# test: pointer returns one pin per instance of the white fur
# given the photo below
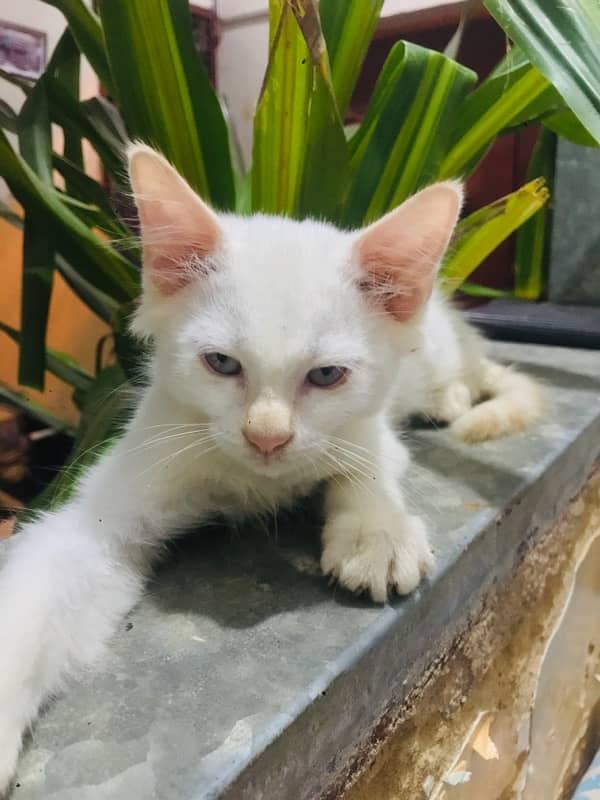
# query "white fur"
(282, 298)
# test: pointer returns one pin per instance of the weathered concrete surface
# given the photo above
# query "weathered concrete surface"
(512, 711)
(243, 675)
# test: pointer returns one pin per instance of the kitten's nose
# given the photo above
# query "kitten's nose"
(268, 425)
(267, 443)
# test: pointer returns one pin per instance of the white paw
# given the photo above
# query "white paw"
(10, 745)
(376, 552)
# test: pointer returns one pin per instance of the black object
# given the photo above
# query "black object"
(538, 323)
(44, 458)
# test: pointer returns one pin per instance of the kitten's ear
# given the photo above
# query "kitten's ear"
(178, 229)
(400, 254)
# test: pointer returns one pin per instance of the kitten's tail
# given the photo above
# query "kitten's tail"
(514, 402)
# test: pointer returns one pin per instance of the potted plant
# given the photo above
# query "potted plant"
(428, 119)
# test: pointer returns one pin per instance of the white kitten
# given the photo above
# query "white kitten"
(281, 351)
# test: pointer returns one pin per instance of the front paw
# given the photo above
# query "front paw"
(376, 552)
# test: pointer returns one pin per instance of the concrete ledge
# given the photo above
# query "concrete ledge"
(242, 675)
(510, 709)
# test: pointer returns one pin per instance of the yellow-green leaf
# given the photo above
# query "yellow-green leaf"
(482, 231)
(513, 94)
(348, 28)
(400, 143)
(300, 157)
(533, 236)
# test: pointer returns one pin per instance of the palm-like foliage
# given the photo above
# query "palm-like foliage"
(427, 119)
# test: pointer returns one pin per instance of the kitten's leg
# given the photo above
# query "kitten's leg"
(62, 591)
(511, 402)
(449, 402)
(370, 541)
(497, 402)
(67, 580)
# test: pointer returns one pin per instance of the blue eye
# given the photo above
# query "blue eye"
(222, 364)
(325, 377)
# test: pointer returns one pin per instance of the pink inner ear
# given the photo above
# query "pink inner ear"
(399, 255)
(169, 280)
(175, 254)
(397, 283)
(180, 232)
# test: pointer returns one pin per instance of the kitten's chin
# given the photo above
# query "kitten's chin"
(269, 470)
(272, 467)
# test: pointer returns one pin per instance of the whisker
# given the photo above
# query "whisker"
(158, 440)
(356, 458)
(180, 425)
(380, 456)
(359, 463)
(351, 444)
(348, 471)
(358, 473)
(172, 456)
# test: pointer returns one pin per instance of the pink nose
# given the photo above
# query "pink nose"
(267, 443)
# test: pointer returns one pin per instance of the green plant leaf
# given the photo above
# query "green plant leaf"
(82, 185)
(482, 231)
(98, 219)
(515, 93)
(102, 266)
(300, 155)
(75, 118)
(400, 144)
(105, 115)
(566, 124)
(8, 117)
(60, 364)
(87, 32)
(243, 193)
(18, 400)
(25, 84)
(64, 65)
(476, 290)
(561, 40)
(107, 399)
(348, 29)
(38, 273)
(533, 237)
(33, 127)
(35, 143)
(164, 93)
(106, 408)
(7, 213)
(101, 304)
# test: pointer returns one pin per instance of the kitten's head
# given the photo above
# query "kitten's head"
(280, 333)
